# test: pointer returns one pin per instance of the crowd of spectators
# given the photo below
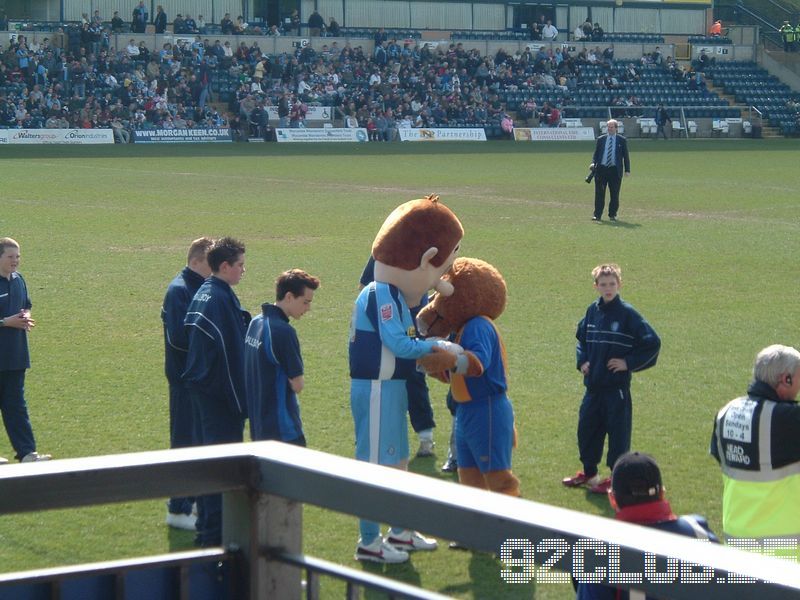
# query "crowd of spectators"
(400, 84)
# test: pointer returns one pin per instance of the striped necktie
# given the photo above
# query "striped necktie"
(609, 151)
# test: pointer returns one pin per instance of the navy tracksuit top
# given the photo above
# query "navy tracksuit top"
(614, 330)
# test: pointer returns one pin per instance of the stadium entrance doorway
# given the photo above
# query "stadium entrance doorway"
(271, 10)
(528, 14)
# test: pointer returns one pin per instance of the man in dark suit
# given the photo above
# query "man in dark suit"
(609, 162)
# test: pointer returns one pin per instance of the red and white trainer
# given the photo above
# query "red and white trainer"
(580, 479)
(601, 487)
(409, 541)
(380, 551)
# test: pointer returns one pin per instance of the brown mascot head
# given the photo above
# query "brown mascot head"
(416, 244)
(479, 290)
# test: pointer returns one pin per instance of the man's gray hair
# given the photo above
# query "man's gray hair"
(775, 361)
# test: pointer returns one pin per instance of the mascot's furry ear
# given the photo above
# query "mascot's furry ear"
(416, 232)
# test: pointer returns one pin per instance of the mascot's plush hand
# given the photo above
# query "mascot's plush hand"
(437, 362)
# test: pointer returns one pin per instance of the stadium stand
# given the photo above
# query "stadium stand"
(451, 86)
(754, 86)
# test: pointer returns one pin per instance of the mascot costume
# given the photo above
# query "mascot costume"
(415, 246)
(484, 425)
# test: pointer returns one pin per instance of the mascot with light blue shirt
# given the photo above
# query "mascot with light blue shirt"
(416, 245)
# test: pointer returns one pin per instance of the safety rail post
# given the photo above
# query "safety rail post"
(255, 523)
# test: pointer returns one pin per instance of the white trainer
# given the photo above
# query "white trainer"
(181, 521)
(35, 457)
(380, 552)
(425, 448)
(409, 541)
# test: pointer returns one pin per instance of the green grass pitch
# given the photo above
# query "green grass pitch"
(708, 241)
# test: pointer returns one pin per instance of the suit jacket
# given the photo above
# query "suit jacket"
(621, 152)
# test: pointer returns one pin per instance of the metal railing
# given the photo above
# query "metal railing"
(265, 485)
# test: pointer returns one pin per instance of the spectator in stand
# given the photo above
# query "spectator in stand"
(544, 114)
(117, 24)
(380, 37)
(240, 27)
(132, 49)
(160, 21)
(587, 29)
(716, 28)
(189, 24)
(226, 24)
(333, 28)
(578, 35)
(179, 25)
(297, 115)
(597, 33)
(351, 121)
(554, 119)
(294, 23)
(787, 35)
(704, 60)
(140, 17)
(316, 25)
(535, 32)
(372, 130)
(507, 125)
(662, 118)
(549, 32)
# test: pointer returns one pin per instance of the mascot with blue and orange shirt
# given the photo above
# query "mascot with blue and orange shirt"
(485, 433)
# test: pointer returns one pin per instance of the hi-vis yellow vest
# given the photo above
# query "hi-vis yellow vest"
(761, 494)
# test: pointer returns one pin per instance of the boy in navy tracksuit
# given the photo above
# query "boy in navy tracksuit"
(273, 368)
(15, 323)
(182, 432)
(613, 341)
(214, 376)
(637, 496)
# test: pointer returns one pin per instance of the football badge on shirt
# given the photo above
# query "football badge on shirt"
(386, 312)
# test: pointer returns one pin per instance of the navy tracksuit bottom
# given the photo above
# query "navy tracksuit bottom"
(606, 411)
(218, 425)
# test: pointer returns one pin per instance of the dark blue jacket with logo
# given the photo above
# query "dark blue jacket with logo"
(179, 295)
(13, 342)
(216, 326)
(614, 330)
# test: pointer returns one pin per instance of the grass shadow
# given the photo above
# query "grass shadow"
(622, 224)
(405, 572)
(600, 501)
(486, 581)
(180, 539)
(431, 467)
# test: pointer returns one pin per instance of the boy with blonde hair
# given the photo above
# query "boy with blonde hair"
(15, 323)
(614, 340)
